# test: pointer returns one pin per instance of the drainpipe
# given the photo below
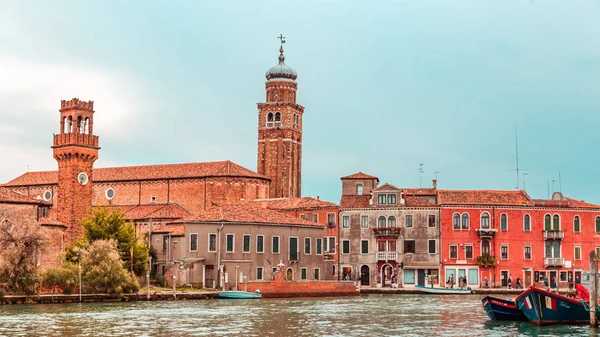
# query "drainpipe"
(219, 254)
(337, 251)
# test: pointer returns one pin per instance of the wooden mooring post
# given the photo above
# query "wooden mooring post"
(594, 290)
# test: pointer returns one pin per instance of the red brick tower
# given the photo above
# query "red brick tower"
(75, 150)
(280, 131)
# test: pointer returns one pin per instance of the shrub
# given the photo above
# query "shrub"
(103, 271)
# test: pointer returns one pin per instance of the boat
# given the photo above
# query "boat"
(502, 310)
(444, 291)
(239, 294)
(543, 307)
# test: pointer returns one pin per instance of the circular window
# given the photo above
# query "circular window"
(82, 177)
(47, 195)
(110, 193)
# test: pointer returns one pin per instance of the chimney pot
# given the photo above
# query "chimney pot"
(435, 183)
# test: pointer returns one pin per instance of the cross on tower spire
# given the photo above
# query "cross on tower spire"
(282, 38)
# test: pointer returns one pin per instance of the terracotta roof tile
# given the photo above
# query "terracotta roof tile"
(355, 201)
(169, 229)
(419, 191)
(303, 203)
(482, 197)
(418, 201)
(360, 175)
(50, 222)
(152, 211)
(581, 203)
(10, 196)
(148, 172)
(245, 213)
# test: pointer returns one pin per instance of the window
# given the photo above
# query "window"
(456, 221)
(547, 222)
(275, 244)
(527, 223)
(409, 246)
(277, 119)
(259, 273)
(165, 243)
(345, 246)
(319, 246)
(109, 194)
(392, 222)
(270, 120)
(345, 221)
(293, 249)
(504, 252)
(381, 222)
(468, 252)
(409, 276)
(465, 221)
(563, 276)
(303, 273)
(329, 244)
(153, 198)
(577, 253)
(485, 220)
(431, 244)
(364, 221)
(317, 276)
(504, 222)
(576, 226)
(597, 250)
(381, 199)
(260, 243)
(246, 248)
(193, 242)
(598, 224)
(485, 247)
(408, 221)
(303, 216)
(453, 252)
(556, 249)
(527, 252)
(555, 222)
(391, 199)
(315, 217)
(364, 246)
(331, 219)
(431, 220)
(230, 243)
(307, 246)
(359, 189)
(212, 242)
(548, 249)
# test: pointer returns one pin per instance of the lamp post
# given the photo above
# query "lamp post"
(148, 278)
(79, 265)
(236, 277)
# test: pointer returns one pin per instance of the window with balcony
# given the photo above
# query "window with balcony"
(552, 249)
(409, 246)
(456, 221)
(468, 252)
(504, 252)
(576, 226)
(345, 221)
(329, 244)
(527, 223)
(431, 246)
(465, 221)
(381, 199)
(364, 246)
(453, 252)
(547, 222)
(409, 221)
(391, 245)
(527, 252)
(364, 221)
(330, 219)
(556, 222)
(504, 222)
(577, 253)
(246, 248)
(346, 247)
(485, 220)
(391, 199)
(391, 222)
(381, 222)
(431, 220)
(382, 246)
(485, 247)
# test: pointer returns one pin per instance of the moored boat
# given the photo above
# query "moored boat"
(444, 291)
(502, 310)
(239, 294)
(543, 307)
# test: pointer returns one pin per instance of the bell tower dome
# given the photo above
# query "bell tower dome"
(75, 149)
(280, 131)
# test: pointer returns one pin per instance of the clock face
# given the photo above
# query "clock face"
(82, 178)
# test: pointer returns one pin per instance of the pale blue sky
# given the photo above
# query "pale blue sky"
(386, 85)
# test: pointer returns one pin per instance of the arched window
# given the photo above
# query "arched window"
(548, 249)
(547, 222)
(65, 125)
(456, 221)
(79, 125)
(576, 225)
(465, 221)
(503, 222)
(270, 120)
(485, 220)
(381, 222)
(392, 221)
(556, 222)
(86, 129)
(277, 119)
(485, 247)
(70, 124)
(527, 223)
(556, 249)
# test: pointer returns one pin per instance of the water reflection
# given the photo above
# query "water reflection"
(370, 315)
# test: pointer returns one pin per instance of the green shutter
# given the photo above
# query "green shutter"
(547, 222)
(293, 249)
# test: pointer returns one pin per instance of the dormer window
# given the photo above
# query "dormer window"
(270, 120)
(391, 199)
(381, 199)
(359, 189)
(277, 119)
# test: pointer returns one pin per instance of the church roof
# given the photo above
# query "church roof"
(11, 197)
(151, 211)
(147, 172)
(281, 71)
(301, 203)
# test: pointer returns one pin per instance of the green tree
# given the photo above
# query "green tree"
(112, 224)
(65, 277)
(103, 271)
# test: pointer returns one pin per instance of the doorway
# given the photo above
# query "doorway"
(553, 279)
(577, 277)
(421, 277)
(504, 278)
(210, 277)
(386, 275)
(527, 278)
(364, 276)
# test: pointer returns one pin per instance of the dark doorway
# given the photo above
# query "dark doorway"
(527, 278)
(504, 277)
(577, 277)
(210, 277)
(553, 279)
(364, 276)
(421, 277)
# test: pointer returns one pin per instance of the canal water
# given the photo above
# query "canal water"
(367, 315)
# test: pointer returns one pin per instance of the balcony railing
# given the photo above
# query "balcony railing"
(386, 231)
(554, 235)
(486, 232)
(554, 262)
(330, 224)
(63, 139)
(328, 256)
(387, 256)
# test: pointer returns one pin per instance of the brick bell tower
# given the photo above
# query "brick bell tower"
(280, 131)
(75, 150)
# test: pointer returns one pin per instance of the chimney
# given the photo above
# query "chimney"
(318, 198)
(434, 183)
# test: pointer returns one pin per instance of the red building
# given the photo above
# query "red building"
(497, 235)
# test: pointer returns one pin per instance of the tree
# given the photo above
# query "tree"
(20, 245)
(112, 224)
(103, 271)
(65, 277)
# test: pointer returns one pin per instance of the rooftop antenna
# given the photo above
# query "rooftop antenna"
(436, 172)
(517, 158)
(420, 174)
(548, 182)
(553, 181)
(524, 175)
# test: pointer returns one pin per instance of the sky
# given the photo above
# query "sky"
(386, 86)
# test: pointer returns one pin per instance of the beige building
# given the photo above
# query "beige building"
(228, 242)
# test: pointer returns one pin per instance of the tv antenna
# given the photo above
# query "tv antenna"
(517, 160)
(421, 175)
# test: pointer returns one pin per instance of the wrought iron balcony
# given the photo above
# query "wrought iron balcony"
(554, 262)
(554, 234)
(387, 256)
(386, 231)
(486, 232)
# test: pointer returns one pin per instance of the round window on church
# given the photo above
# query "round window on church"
(110, 193)
(48, 195)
